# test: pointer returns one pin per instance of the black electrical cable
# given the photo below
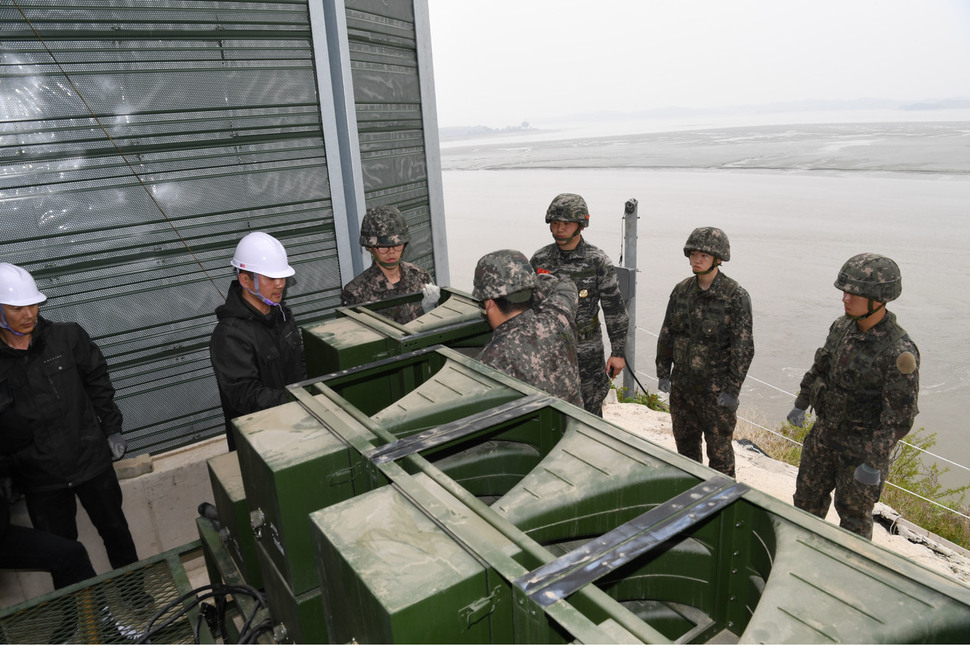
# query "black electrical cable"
(212, 590)
(633, 373)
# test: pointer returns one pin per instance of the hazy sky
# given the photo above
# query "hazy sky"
(501, 62)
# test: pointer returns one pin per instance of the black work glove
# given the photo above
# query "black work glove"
(797, 417)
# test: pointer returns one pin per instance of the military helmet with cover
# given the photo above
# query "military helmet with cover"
(709, 240)
(384, 226)
(568, 207)
(504, 273)
(871, 276)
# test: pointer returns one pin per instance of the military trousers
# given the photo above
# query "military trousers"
(594, 382)
(826, 466)
(695, 414)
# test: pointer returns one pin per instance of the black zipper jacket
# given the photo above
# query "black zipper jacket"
(61, 386)
(254, 356)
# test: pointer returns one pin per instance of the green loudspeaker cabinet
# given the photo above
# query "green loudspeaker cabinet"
(297, 618)
(293, 463)
(230, 500)
(393, 575)
(359, 334)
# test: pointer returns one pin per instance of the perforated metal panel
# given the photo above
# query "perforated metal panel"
(388, 101)
(141, 141)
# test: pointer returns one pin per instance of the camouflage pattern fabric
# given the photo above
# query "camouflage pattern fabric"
(504, 273)
(538, 346)
(384, 226)
(870, 275)
(592, 272)
(705, 347)
(568, 207)
(372, 285)
(592, 373)
(864, 387)
(709, 240)
(699, 415)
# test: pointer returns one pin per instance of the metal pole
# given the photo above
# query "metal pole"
(630, 218)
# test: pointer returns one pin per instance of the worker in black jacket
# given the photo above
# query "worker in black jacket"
(59, 382)
(26, 548)
(256, 348)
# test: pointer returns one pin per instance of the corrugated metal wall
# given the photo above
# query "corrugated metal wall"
(140, 141)
(387, 96)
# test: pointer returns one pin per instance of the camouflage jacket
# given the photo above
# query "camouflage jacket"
(707, 335)
(864, 385)
(538, 346)
(371, 285)
(592, 272)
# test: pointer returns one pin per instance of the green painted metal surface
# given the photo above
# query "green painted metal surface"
(360, 334)
(297, 618)
(428, 498)
(294, 463)
(230, 500)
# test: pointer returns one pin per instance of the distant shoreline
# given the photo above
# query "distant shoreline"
(921, 147)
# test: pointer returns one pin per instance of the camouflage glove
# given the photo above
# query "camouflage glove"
(118, 446)
(663, 385)
(431, 295)
(797, 416)
(727, 401)
(867, 475)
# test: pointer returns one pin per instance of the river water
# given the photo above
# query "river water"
(796, 201)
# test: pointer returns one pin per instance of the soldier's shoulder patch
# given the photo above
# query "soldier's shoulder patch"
(906, 362)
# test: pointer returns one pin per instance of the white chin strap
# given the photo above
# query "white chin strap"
(260, 296)
(5, 325)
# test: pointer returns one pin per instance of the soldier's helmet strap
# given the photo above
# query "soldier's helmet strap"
(872, 310)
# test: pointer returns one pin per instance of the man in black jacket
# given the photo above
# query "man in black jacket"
(59, 382)
(256, 348)
(26, 547)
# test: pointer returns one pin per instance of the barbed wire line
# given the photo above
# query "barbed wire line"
(785, 437)
(891, 484)
(781, 390)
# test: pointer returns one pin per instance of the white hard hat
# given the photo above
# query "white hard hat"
(17, 286)
(263, 254)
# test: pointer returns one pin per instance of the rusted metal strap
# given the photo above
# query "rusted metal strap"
(455, 430)
(559, 578)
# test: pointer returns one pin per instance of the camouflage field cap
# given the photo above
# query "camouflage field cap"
(568, 207)
(709, 240)
(504, 273)
(384, 226)
(872, 276)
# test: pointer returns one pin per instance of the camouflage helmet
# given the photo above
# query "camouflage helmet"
(504, 273)
(384, 226)
(709, 240)
(872, 276)
(568, 207)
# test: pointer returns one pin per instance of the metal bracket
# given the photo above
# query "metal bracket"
(458, 429)
(481, 608)
(344, 475)
(559, 578)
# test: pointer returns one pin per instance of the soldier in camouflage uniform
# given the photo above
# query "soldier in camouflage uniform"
(533, 322)
(707, 338)
(863, 386)
(570, 256)
(384, 233)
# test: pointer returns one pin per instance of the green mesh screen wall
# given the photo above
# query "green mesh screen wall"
(141, 140)
(387, 96)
